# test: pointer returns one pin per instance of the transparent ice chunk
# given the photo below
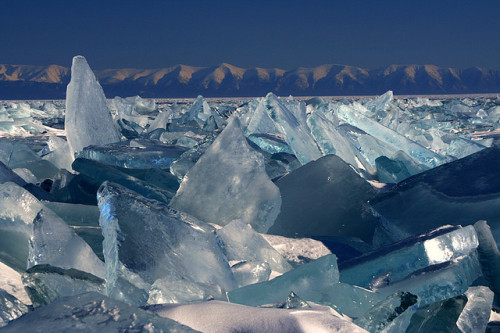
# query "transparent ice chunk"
(306, 213)
(18, 209)
(390, 137)
(154, 241)
(45, 284)
(126, 155)
(297, 250)
(88, 120)
(438, 317)
(330, 140)
(396, 261)
(166, 290)
(391, 171)
(476, 313)
(312, 281)
(250, 272)
(187, 160)
(59, 153)
(229, 182)
(389, 315)
(54, 243)
(241, 242)
(26, 175)
(439, 282)
(489, 256)
(100, 172)
(296, 134)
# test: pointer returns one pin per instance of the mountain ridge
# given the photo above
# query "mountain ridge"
(226, 80)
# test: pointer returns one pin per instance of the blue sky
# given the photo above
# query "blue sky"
(285, 34)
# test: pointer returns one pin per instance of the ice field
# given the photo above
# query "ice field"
(268, 214)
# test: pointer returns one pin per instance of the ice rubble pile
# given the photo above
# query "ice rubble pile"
(378, 215)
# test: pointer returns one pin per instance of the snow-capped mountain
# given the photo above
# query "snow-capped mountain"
(28, 82)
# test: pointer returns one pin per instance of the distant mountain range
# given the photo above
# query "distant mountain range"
(225, 80)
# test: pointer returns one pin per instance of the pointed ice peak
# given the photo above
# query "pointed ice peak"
(274, 116)
(229, 182)
(88, 120)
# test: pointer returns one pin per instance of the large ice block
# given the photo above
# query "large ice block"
(19, 155)
(154, 241)
(394, 262)
(229, 182)
(296, 134)
(462, 192)
(439, 282)
(312, 281)
(141, 154)
(83, 220)
(260, 121)
(324, 198)
(489, 256)
(45, 284)
(88, 120)
(241, 242)
(101, 172)
(199, 112)
(92, 312)
(330, 141)
(54, 243)
(464, 313)
(390, 137)
(18, 209)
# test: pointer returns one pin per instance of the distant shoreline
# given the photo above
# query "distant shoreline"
(299, 98)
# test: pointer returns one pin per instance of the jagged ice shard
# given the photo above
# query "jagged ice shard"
(272, 112)
(88, 120)
(241, 242)
(154, 241)
(55, 244)
(390, 137)
(392, 263)
(229, 182)
(312, 281)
